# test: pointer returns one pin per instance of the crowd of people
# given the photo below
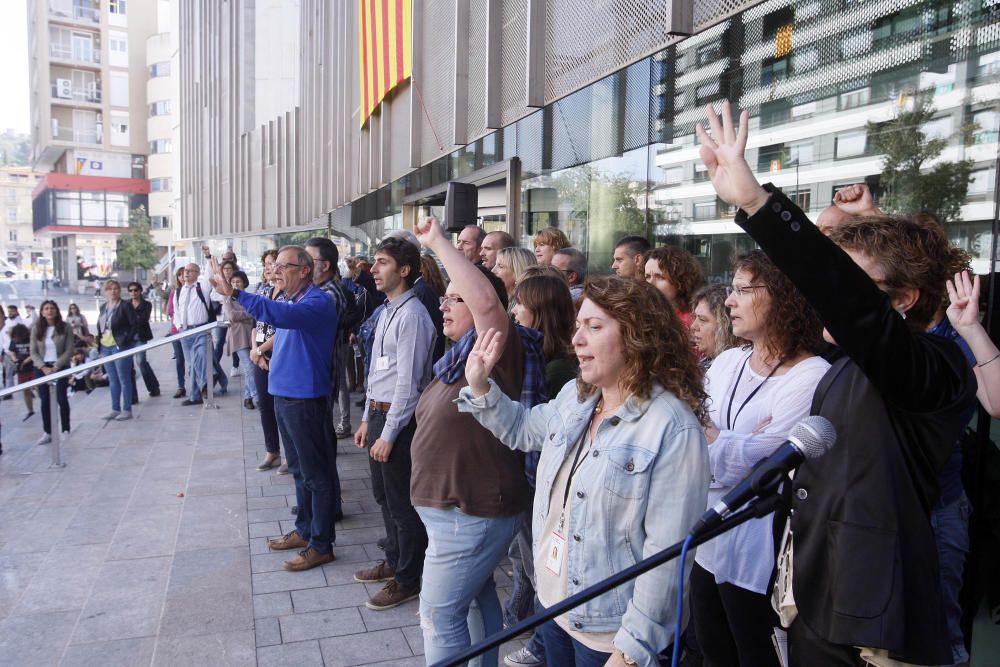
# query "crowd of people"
(515, 406)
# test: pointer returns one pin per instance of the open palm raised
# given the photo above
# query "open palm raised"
(722, 153)
(483, 358)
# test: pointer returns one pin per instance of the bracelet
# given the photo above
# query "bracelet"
(988, 362)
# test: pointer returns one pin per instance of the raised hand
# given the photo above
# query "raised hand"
(964, 296)
(855, 200)
(428, 231)
(483, 358)
(222, 286)
(722, 153)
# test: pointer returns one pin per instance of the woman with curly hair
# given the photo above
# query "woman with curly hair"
(623, 471)
(757, 393)
(711, 329)
(676, 273)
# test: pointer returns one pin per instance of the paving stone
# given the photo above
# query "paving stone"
(329, 597)
(272, 582)
(225, 649)
(339, 572)
(359, 535)
(269, 562)
(95, 522)
(266, 502)
(373, 647)
(29, 539)
(271, 490)
(397, 617)
(209, 592)
(298, 654)
(118, 653)
(415, 638)
(272, 604)
(279, 513)
(258, 545)
(126, 600)
(267, 632)
(319, 624)
(146, 531)
(63, 579)
(38, 639)
(213, 521)
(265, 529)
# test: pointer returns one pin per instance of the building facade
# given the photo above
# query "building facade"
(18, 244)
(88, 117)
(579, 116)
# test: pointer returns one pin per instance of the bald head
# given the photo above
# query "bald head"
(831, 217)
(191, 273)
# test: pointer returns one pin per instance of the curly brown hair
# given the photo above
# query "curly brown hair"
(912, 251)
(792, 325)
(683, 270)
(657, 349)
(548, 299)
(431, 273)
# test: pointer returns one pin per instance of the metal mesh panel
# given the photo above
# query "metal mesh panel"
(709, 12)
(478, 16)
(513, 47)
(437, 77)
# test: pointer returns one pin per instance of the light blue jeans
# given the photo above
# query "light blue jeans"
(119, 378)
(194, 357)
(249, 383)
(458, 598)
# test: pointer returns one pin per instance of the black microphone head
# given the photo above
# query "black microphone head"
(813, 436)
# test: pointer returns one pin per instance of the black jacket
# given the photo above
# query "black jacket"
(142, 314)
(865, 562)
(124, 325)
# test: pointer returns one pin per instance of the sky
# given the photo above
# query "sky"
(14, 112)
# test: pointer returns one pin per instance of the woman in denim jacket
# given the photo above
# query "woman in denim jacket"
(623, 472)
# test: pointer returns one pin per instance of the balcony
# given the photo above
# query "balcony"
(76, 95)
(87, 135)
(77, 11)
(77, 55)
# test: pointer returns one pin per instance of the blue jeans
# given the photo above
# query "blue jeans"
(249, 384)
(179, 363)
(219, 340)
(561, 649)
(462, 552)
(522, 595)
(266, 410)
(312, 460)
(951, 532)
(148, 376)
(120, 379)
(194, 357)
(61, 399)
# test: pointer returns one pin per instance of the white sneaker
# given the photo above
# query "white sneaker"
(45, 439)
(234, 372)
(523, 658)
(112, 415)
(124, 417)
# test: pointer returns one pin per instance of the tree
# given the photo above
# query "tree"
(909, 187)
(136, 248)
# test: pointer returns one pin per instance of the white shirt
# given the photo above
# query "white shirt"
(51, 355)
(744, 556)
(189, 311)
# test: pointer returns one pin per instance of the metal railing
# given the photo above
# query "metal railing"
(52, 378)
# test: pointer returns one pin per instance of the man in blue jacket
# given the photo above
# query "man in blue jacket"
(299, 380)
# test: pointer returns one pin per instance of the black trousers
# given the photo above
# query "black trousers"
(406, 537)
(266, 411)
(61, 399)
(734, 626)
(806, 648)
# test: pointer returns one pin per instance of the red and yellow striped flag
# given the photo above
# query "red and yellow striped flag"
(384, 44)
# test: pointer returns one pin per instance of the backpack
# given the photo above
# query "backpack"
(212, 314)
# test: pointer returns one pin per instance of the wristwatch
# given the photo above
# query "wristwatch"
(629, 661)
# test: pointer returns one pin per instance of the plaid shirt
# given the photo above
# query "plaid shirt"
(332, 287)
(264, 290)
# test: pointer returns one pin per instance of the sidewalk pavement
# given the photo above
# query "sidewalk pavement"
(150, 546)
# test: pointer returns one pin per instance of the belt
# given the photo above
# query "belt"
(381, 407)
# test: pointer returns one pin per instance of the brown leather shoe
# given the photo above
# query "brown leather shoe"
(290, 540)
(307, 559)
(392, 595)
(379, 572)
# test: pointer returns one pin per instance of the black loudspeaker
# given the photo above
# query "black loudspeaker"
(461, 206)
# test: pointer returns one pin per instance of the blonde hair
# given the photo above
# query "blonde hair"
(518, 259)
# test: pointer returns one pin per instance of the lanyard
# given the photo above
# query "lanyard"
(732, 396)
(381, 348)
(577, 463)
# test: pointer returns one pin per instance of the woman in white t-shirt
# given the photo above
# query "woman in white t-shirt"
(757, 393)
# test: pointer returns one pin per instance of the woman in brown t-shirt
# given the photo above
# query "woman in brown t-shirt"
(467, 489)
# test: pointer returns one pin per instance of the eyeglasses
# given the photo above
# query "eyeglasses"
(742, 290)
(281, 266)
(450, 300)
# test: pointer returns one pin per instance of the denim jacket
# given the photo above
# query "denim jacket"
(650, 490)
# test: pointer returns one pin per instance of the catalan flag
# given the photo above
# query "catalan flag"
(783, 41)
(384, 45)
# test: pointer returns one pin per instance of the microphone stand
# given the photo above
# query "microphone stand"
(756, 509)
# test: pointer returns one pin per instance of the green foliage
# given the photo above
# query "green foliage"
(611, 199)
(909, 187)
(15, 150)
(136, 248)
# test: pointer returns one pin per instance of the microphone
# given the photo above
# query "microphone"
(809, 439)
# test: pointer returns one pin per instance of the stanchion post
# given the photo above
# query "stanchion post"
(56, 426)
(209, 369)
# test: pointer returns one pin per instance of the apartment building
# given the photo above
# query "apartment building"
(18, 244)
(88, 77)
